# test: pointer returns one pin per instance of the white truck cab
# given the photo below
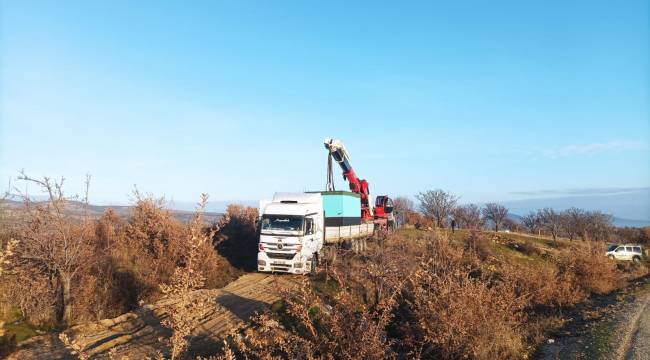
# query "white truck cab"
(291, 233)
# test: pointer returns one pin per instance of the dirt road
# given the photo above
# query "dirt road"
(138, 334)
(621, 331)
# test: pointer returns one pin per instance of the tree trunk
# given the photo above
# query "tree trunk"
(66, 282)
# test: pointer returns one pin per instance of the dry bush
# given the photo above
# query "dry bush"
(30, 292)
(80, 269)
(54, 246)
(236, 238)
(451, 309)
(187, 308)
(307, 327)
(545, 287)
(446, 304)
(153, 243)
(594, 272)
(476, 241)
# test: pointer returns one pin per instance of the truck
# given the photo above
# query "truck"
(296, 227)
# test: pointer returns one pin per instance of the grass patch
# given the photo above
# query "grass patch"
(21, 331)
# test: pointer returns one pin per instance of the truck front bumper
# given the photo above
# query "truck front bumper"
(297, 265)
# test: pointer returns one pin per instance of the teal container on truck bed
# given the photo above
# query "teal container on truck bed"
(342, 208)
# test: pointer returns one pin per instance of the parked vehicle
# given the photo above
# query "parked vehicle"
(626, 252)
(296, 226)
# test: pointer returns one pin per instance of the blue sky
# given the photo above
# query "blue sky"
(490, 100)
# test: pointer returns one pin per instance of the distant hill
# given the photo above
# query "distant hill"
(79, 209)
(630, 208)
(618, 222)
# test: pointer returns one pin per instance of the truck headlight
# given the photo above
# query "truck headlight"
(261, 262)
(297, 265)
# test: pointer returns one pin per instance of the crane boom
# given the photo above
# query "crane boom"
(338, 152)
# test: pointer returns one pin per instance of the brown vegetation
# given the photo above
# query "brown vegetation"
(419, 294)
(67, 269)
(425, 295)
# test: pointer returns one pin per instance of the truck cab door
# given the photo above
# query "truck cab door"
(309, 234)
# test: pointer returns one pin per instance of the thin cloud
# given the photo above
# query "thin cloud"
(581, 191)
(595, 148)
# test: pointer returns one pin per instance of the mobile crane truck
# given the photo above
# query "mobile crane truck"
(295, 227)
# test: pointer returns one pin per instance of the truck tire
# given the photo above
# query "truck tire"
(636, 259)
(611, 257)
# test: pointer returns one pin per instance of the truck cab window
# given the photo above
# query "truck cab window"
(282, 222)
(309, 226)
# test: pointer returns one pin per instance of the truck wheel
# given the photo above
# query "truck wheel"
(636, 259)
(611, 257)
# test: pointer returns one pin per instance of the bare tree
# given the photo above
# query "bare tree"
(531, 222)
(468, 216)
(496, 213)
(551, 221)
(403, 206)
(598, 226)
(437, 205)
(55, 242)
(574, 222)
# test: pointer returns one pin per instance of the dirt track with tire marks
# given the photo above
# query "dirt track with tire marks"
(138, 334)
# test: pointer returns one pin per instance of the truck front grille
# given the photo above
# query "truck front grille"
(283, 256)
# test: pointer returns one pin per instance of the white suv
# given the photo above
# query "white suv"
(625, 252)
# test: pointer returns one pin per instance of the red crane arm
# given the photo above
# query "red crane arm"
(359, 186)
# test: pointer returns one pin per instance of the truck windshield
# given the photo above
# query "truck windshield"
(282, 222)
